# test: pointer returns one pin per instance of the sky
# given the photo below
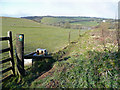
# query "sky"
(91, 8)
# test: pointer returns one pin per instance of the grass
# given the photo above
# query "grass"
(86, 67)
(84, 73)
(53, 20)
(86, 23)
(84, 64)
(37, 35)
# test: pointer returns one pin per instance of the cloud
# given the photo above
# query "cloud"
(59, 8)
(59, 1)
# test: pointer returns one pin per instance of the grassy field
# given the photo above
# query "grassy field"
(80, 20)
(38, 35)
(85, 23)
(51, 20)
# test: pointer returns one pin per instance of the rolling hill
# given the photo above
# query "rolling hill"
(38, 35)
(55, 20)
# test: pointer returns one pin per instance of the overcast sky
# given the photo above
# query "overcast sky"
(92, 8)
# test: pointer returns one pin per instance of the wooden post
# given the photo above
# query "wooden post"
(79, 33)
(10, 44)
(20, 53)
(69, 37)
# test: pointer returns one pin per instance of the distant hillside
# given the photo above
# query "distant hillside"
(64, 18)
(35, 18)
(68, 22)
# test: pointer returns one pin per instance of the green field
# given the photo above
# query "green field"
(38, 35)
(85, 23)
(51, 20)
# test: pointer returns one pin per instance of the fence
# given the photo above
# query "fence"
(11, 57)
(19, 56)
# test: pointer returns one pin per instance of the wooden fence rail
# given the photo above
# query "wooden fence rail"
(5, 50)
(4, 38)
(11, 57)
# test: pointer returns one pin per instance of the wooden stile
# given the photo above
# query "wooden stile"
(5, 50)
(11, 58)
(6, 60)
(10, 44)
(20, 53)
(4, 38)
(6, 70)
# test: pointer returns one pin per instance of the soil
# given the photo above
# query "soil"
(49, 73)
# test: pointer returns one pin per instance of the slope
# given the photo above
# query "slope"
(37, 35)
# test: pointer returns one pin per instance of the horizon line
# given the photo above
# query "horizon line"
(55, 16)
